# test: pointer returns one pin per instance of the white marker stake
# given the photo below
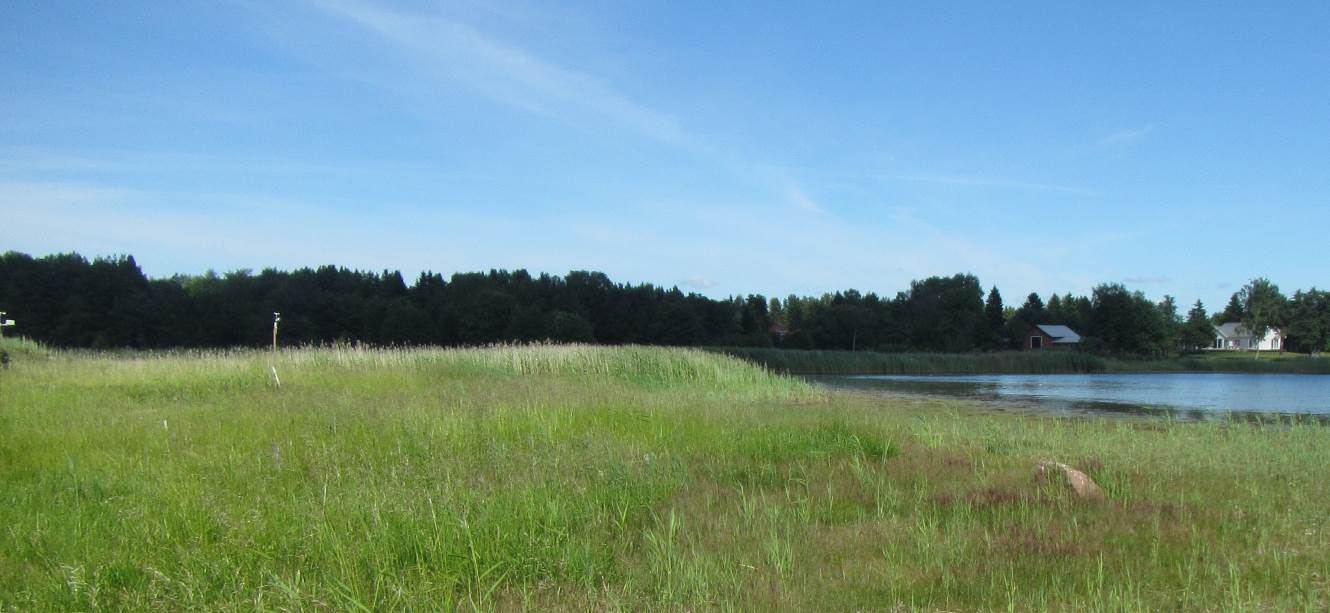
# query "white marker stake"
(276, 317)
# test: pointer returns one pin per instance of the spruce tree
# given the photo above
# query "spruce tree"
(993, 315)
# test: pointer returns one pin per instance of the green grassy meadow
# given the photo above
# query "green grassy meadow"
(630, 478)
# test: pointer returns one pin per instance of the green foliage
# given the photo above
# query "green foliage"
(568, 327)
(1028, 315)
(1034, 306)
(1197, 331)
(67, 301)
(1170, 326)
(1262, 306)
(677, 324)
(994, 316)
(1233, 311)
(1127, 323)
(107, 303)
(946, 313)
(846, 320)
(754, 319)
(1308, 317)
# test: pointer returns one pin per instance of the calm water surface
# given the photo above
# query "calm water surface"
(1187, 395)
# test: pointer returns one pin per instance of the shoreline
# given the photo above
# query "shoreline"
(822, 362)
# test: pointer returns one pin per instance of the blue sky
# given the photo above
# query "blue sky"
(1179, 148)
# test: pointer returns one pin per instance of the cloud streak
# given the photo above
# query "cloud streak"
(240, 230)
(993, 183)
(698, 283)
(449, 52)
(1124, 138)
(802, 201)
(1148, 280)
(507, 73)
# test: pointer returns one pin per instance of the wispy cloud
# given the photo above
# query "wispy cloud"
(26, 196)
(507, 73)
(242, 230)
(1126, 137)
(1148, 280)
(236, 230)
(698, 283)
(447, 53)
(1083, 243)
(801, 200)
(22, 162)
(992, 183)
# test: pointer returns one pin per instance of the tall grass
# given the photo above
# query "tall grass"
(617, 479)
(22, 348)
(807, 362)
(693, 369)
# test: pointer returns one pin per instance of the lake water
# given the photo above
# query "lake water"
(1183, 395)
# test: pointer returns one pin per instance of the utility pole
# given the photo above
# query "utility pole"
(272, 363)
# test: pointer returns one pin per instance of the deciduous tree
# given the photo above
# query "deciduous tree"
(1263, 308)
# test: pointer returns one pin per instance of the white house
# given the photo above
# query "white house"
(1233, 336)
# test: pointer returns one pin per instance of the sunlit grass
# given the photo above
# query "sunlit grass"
(616, 478)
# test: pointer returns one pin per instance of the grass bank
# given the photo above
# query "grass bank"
(804, 362)
(617, 479)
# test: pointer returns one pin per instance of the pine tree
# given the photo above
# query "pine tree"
(993, 314)
(1234, 312)
(1197, 332)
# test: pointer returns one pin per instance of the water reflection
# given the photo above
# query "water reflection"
(1260, 398)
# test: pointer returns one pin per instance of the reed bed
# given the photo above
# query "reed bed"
(1245, 363)
(586, 478)
(873, 363)
(804, 362)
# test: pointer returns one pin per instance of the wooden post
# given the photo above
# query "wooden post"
(272, 364)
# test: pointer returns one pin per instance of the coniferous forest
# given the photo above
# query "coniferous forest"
(66, 300)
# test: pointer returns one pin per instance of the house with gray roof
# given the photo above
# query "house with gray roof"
(1051, 336)
(1233, 336)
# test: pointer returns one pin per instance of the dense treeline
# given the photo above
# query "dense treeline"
(69, 301)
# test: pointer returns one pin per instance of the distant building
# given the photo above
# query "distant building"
(1051, 336)
(1233, 336)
